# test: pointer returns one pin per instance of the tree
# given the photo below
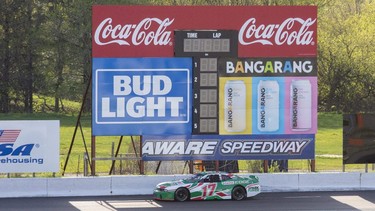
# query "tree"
(346, 57)
(5, 13)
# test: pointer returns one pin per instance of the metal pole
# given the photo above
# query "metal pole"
(93, 156)
(121, 172)
(265, 166)
(78, 121)
(117, 151)
(85, 161)
(84, 144)
(113, 170)
(312, 165)
(157, 167)
(79, 159)
(141, 162)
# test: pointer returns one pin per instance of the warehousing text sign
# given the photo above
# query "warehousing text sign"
(29, 146)
(137, 95)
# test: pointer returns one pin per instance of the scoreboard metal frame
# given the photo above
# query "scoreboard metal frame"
(205, 46)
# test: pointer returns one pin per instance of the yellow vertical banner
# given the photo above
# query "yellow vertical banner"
(235, 116)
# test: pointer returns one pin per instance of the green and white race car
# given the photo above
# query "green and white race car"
(209, 186)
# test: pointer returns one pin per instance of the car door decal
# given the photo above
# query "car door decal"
(208, 190)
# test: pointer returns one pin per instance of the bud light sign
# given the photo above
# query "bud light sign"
(136, 96)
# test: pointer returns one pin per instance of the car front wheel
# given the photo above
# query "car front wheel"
(238, 193)
(181, 194)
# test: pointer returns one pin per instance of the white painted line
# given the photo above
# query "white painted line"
(134, 204)
(301, 197)
(91, 205)
(356, 202)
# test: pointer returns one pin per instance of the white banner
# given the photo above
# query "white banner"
(29, 146)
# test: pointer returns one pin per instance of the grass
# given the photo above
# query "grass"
(328, 148)
(328, 144)
(67, 128)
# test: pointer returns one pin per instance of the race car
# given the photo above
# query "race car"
(209, 186)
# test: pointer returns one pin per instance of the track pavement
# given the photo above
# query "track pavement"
(348, 200)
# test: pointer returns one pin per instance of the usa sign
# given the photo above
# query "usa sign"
(134, 96)
(29, 146)
(142, 31)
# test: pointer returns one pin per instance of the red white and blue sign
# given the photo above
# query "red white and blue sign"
(29, 146)
(9, 136)
(138, 96)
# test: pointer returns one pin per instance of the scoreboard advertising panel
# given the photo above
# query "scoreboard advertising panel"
(229, 83)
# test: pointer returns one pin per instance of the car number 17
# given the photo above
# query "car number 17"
(208, 190)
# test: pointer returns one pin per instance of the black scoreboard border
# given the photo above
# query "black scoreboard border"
(180, 35)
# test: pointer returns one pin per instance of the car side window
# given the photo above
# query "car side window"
(225, 177)
(215, 178)
(205, 179)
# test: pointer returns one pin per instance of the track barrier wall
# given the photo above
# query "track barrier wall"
(144, 184)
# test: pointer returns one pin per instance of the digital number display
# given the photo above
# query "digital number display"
(211, 43)
(206, 45)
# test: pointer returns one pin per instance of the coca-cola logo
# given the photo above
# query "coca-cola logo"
(152, 31)
(291, 31)
(147, 31)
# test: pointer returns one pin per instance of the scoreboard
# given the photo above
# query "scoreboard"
(201, 43)
(229, 83)
(205, 46)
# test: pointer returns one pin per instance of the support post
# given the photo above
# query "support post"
(157, 167)
(113, 169)
(141, 162)
(312, 164)
(117, 151)
(85, 164)
(77, 124)
(93, 156)
(265, 166)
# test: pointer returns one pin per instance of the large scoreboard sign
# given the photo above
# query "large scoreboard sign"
(238, 82)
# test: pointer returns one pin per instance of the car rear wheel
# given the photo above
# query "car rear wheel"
(181, 194)
(238, 193)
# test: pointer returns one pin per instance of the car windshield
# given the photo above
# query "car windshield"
(195, 177)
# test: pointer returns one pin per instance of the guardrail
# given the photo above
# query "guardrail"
(144, 184)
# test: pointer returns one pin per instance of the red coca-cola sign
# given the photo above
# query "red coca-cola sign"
(147, 31)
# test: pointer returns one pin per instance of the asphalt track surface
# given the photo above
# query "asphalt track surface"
(348, 200)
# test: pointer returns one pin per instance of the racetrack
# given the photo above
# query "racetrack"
(346, 200)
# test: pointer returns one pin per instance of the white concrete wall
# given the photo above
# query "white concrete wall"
(279, 182)
(332, 181)
(144, 185)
